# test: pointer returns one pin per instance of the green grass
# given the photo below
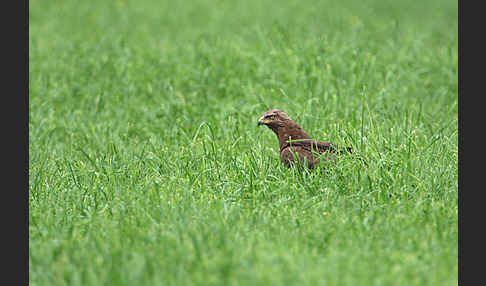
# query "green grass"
(147, 167)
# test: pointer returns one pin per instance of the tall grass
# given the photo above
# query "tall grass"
(147, 167)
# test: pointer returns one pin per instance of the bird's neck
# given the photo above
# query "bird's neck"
(290, 131)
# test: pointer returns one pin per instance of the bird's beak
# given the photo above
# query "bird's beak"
(263, 121)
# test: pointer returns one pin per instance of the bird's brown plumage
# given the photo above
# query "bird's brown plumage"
(295, 142)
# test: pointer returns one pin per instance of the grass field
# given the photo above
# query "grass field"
(146, 166)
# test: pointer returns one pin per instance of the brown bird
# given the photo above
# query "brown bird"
(295, 143)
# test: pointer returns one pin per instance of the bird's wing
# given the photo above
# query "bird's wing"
(320, 147)
(325, 146)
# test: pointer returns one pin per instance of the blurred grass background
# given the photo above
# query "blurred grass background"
(146, 166)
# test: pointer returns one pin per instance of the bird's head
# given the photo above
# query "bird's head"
(282, 125)
(273, 118)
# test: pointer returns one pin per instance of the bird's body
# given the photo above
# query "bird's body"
(295, 143)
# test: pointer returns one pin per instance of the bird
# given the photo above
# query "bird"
(295, 143)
